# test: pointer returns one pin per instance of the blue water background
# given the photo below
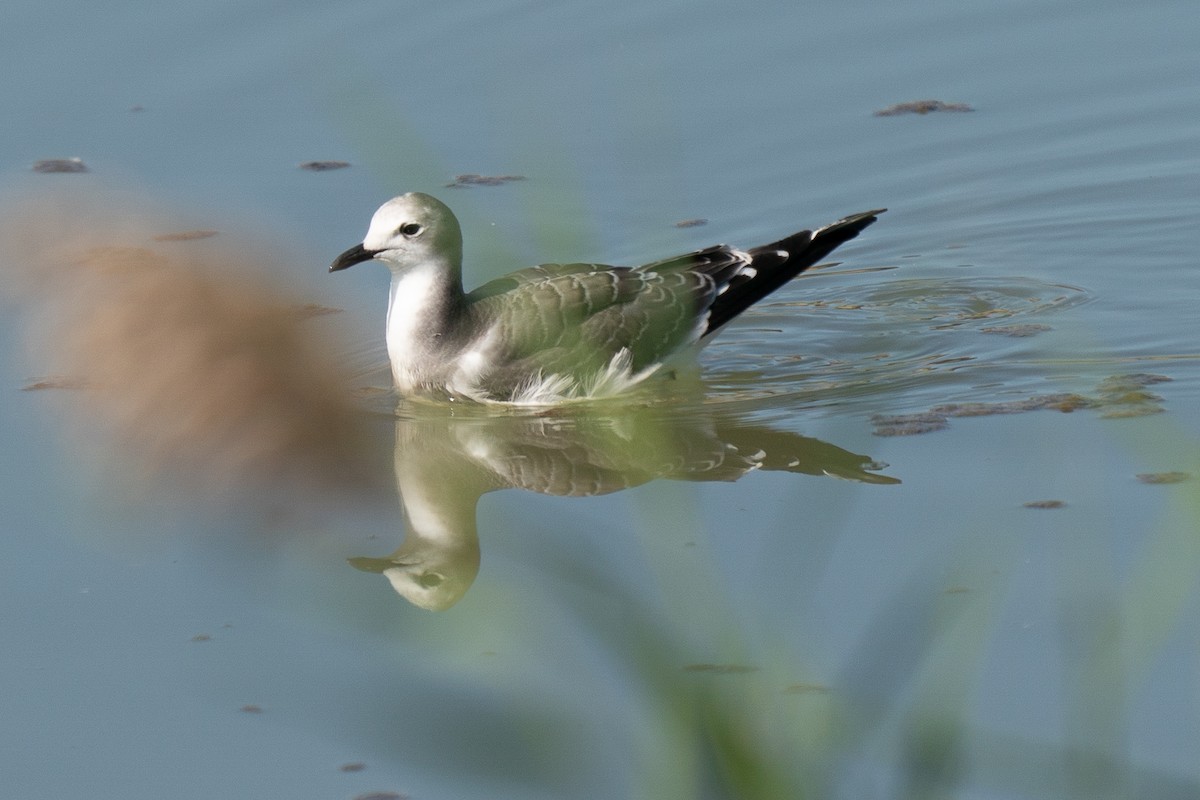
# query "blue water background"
(1077, 176)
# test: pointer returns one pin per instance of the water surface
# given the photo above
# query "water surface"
(739, 590)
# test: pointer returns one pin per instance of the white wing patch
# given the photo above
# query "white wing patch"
(616, 378)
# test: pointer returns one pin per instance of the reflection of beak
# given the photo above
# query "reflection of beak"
(354, 255)
(377, 565)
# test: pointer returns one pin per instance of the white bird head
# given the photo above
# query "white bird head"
(408, 231)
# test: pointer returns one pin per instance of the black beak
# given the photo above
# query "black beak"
(354, 255)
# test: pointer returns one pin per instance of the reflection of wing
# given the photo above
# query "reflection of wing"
(596, 455)
(445, 463)
(790, 452)
(586, 456)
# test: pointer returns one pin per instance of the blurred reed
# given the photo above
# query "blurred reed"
(189, 359)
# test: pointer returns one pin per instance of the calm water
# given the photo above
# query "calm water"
(747, 588)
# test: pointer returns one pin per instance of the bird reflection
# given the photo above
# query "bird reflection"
(445, 462)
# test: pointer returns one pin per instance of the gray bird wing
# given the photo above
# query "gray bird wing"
(574, 318)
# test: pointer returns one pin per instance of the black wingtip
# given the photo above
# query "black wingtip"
(783, 260)
(861, 219)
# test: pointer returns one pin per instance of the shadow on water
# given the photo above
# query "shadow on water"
(445, 462)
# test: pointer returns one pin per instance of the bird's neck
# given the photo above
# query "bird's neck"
(425, 312)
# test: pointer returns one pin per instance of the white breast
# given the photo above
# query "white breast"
(412, 294)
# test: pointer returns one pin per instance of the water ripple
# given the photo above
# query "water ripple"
(912, 340)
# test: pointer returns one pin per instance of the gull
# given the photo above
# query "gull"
(560, 332)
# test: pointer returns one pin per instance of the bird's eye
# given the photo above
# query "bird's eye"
(410, 229)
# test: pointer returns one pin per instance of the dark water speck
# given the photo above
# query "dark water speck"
(1044, 504)
(50, 165)
(472, 179)
(1016, 331)
(324, 166)
(1164, 477)
(908, 424)
(53, 382)
(185, 236)
(921, 107)
(315, 310)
